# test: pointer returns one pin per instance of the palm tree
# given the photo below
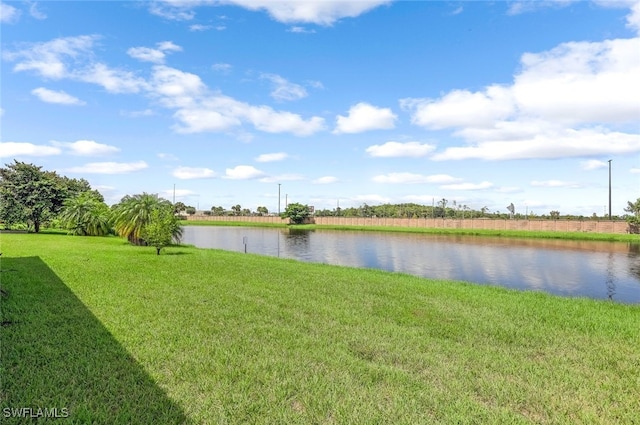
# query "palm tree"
(134, 212)
(86, 215)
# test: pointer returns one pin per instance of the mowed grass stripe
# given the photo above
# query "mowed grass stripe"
(224, 337)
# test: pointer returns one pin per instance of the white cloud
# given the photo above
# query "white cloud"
(593, 164)
(574, 100)
(371, 199)
(561, 144)
(461, 108)
(109, 167)
(325, 180)
(136, 114)
(283, 89)
(397, 149)
(421, 199)
(268, 120)
(554, 183)
(174, 10)
(301, 30)
(168, 46)
(243, 172)
(59, 97)
(222, 67)
(17, 149)
(147, 54)
(167, 156)
(633, 18)
(271, 157)
(199, 27)
(103, 188)
(188, 173)
(581, 82)
(198, 110)
(8, 14)
(112, 80)
(35, 12)
(364, 117)
(523, 6)
(635, 171)
(468, 186)
(87, 148)
(311, 12)
(282, 178)
(179, 193)
(176, 88)
(412, 178)
(508, 189)
(48, 58)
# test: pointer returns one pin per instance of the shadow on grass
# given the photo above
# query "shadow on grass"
(176, 253)
(57, 355)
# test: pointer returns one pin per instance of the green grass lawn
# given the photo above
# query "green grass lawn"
(119, 335)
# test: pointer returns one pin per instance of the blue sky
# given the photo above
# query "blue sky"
(349, 102)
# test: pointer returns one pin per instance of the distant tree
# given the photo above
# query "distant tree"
(178, 207)
(296, 212)
(190, 210)
(634, 219)
(633, 208)
(162, 228)
(441, 210)
(237, 209)
(262, 211)
(554, 215)
(217, 210)
(86, 215)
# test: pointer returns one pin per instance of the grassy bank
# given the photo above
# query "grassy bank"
(587, 236)
(116, 334)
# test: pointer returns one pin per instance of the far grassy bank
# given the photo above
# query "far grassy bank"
(587, 236)
(116, 334)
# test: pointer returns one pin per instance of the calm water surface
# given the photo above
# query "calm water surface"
(602, 270)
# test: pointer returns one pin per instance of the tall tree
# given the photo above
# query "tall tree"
(31, 195)
(133, 213)
(28, 194)
(162, 228)
(296, 212)
(86, 215)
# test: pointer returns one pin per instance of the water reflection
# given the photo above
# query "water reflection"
(603, 270)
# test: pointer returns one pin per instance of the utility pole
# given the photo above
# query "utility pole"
(610, 190)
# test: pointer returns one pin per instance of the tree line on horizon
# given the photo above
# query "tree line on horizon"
(32, 197)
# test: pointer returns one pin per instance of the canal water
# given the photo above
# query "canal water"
(601, 270)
